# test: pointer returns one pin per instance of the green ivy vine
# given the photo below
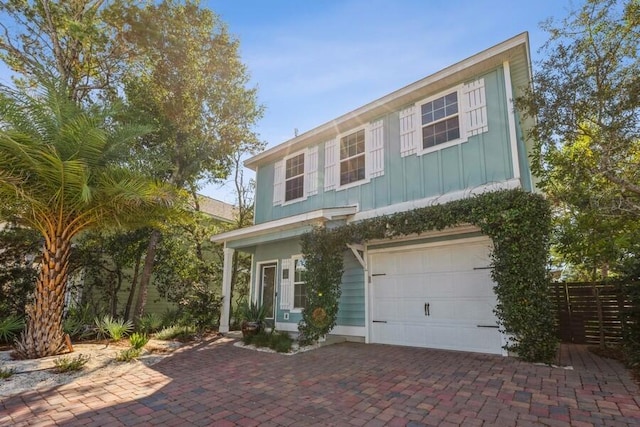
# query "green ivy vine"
(519, 224)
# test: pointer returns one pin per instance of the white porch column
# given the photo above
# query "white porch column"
(226, 289)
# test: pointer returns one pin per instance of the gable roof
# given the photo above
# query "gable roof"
(514, 48)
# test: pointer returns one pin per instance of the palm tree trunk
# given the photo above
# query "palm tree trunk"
(43, 335)
(145, 277)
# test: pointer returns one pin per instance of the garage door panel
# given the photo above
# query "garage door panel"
(385, 287)
(437, 260)
(386, 309)
(453, 280)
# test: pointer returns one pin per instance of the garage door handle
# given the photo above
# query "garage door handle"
(426, 309)
(488, 326)
(379, 321)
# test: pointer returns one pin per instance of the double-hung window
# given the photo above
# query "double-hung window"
(299, 284)
(440, 120)
(352, 158)
(294, 178)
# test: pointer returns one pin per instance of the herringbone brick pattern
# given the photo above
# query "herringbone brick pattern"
(348, 384)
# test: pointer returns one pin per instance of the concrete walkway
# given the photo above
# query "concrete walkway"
(348, 384)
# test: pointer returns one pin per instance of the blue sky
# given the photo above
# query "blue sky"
(314, 60)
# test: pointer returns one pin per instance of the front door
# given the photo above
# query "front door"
(268, 289)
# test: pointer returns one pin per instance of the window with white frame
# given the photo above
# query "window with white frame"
(299, 284)
(440, 120)
(352, 157)
(294, 178)
(445, 119)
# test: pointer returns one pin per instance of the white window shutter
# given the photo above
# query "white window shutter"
(374, 143)
(286, 285)
(330, 164)
(409, 131)
(474, 105)
(311, 171)
(278, 183)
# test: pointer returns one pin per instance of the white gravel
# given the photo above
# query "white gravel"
(38, 373)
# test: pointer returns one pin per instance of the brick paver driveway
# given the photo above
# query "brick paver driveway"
(215, 383)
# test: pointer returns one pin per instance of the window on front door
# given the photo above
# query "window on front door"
(268, 288)
(294, 178)
(299, 284)
(440, 120)
(352, 158)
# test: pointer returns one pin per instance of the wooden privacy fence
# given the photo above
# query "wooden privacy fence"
(590, 313)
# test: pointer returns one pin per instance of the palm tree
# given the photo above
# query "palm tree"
(62, 171)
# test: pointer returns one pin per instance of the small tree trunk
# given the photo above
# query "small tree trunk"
(145, 278)
(132, 291)
(43, 335)
(114, 293)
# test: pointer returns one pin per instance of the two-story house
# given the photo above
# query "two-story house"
(448, 136)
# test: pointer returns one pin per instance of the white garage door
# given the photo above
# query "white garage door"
(437, 297)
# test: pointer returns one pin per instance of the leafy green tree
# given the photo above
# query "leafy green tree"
(192, 85)
(586, 98)
(62, 173)
(75, 42)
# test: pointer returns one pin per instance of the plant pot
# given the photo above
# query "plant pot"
(250, 328)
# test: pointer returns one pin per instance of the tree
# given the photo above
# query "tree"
(72, 41)
(62, 173)
(586, 94)
(18, 252)
(191, 83)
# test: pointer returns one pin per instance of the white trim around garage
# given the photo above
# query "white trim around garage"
(435, 200)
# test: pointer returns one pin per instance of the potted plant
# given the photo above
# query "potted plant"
(252, 315)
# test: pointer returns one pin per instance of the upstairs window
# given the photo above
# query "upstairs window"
(440, 120)
(352, 160)
(294, 178)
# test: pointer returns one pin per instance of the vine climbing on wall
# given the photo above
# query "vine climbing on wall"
(519, 224)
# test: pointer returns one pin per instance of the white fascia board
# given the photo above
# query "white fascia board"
(318, 216)
(467, 68)
(435, 200)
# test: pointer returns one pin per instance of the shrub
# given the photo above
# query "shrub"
(280, 342)
(6, 373)
(128, 355)
(170, 317)
(65, 364)
(631, 327)
(10, 327)
(150, 323)
(179, 332)
(138, 340)
(115, 329)
(78, 322)
(201, 308)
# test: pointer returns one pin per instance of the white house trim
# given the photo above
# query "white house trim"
(513, 137)
(226, 290)
(309, 218)
(435, 200)
(351, 331)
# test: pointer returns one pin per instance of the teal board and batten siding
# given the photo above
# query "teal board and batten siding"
(483, 159)
(351, 308)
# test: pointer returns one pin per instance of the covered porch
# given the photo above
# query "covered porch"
(249, 239)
